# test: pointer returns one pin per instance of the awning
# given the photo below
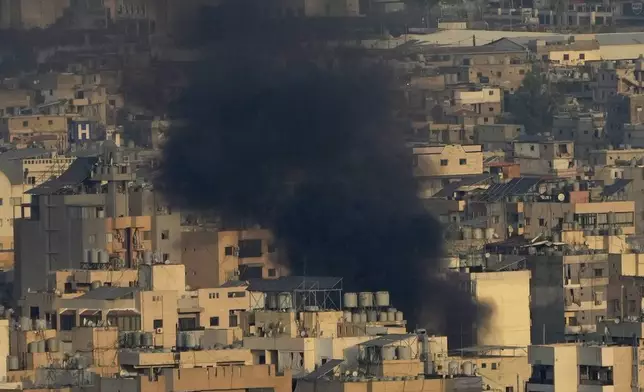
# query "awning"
(191, 309)
(90, 312)
(68, 312)
(123, 313)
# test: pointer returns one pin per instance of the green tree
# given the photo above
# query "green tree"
(533, 104)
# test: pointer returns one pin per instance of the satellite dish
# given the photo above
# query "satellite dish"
(617, 320)
(561, 197)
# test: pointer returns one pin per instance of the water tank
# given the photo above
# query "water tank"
(363, 317)
(453, 368)
(191, 340)
(103, 257)
(147, 257)
(391, 314)
(52, 345)
(40, 324)
(272, 301)
(468, 368)
(181, 341)
(382, 317)
(40, 346)
(400, 316)
(136, 338)
(576, 186)
(611, 218)
(32, 347)
(355, 318)
(285, 301)
(477, 234)
(489, 233)
(366, 299)
(347, 317)
(25, 323)
(372, 316)
(96, 284)
(382, 299)
(147, 339)
(13, 363)
(556, 237)
(92, 256)
(403, 352)
(466, 232)
(350, 300)
(388, 353)
(123, 339)
(619, 231)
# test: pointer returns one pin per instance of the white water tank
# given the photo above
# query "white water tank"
(382, 299)
(366, 299)
(350, 300)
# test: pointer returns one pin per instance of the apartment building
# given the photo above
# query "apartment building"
(13, 101)
(437, 166)
(74, 215)
(567, 53)
(497, 137)
(585, 129)
(580, 366)
(615, 78)
(25, 131)
(545, 156)
(31, 14)
(483, 101)
(21, 170)
(507, 295)
(625, 108)
(215, 257)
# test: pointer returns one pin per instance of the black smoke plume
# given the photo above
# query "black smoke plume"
(302, 141)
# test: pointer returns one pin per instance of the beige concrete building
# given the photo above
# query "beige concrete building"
(580, 367)
(224, 378)
(585, 129)
(215, 257)
(544, 156)
(24, 131)
(507, 294)
(436, 165)
(566, 53)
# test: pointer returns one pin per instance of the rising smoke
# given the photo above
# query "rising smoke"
(308, 147)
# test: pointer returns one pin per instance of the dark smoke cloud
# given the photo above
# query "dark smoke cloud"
(280, 138)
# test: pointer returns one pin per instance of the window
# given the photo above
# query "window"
(112, 102)
(484, 365)
(527, 221)
(232, 319)
(214, 321)
(213, 295)
(443, 162)
(166, 256)
(25, 123)
(490, 109)
(250, 248)
(147, 236)
(496, 219)
(236, 294)
(494, 366)
(544, 57)
(542, 222)
(91, 239)
(68, 288)
(582, 56)
(498, 75)
(1, 201)
(531, 148)
(271, 272)
(50, 122)
(599, 272)
(157, 324)
(156, 298)
(165, 234)
(462, 161)
(522, 72)
(466, 61)
(509, 389)
(566, 57)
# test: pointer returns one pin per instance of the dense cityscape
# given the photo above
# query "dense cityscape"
(321, 196)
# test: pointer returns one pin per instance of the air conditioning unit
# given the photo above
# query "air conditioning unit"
(159, 330)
